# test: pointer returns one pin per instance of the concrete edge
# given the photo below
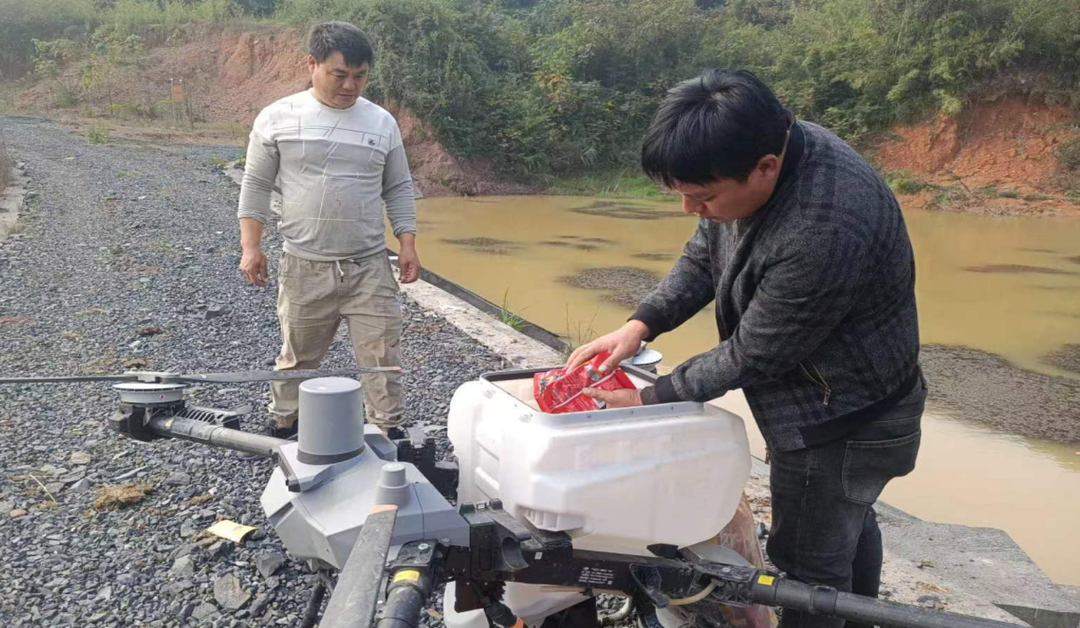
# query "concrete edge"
(517, 350)
(13, 199)
(523, 328)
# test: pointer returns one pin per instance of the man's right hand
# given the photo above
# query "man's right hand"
(253, 265)
(622, 343)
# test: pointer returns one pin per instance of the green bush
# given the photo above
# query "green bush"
(904, 183)
(23, 21)
(1069, 153)
(555, 86)
(97, 136)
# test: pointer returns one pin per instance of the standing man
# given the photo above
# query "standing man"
(339, 158)
(804, 249)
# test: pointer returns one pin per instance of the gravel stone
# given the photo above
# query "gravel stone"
(269, 562)
(204, 611)
(80, 457)
(178, 479)
(187, 610)
(229, 593)
(261, 603)
(183, 566)
(74, 267)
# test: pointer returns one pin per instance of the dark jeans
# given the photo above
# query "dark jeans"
(824, 530)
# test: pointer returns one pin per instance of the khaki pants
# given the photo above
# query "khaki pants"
(313, 297)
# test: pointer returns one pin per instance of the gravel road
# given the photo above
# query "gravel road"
(127, 257)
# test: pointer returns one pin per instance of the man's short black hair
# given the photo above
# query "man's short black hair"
(350, 41)
(716, 126)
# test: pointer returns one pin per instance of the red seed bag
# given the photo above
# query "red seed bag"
(558, 391)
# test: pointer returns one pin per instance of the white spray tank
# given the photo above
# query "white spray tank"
(614, 480)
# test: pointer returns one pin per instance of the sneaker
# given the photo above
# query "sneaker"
(287, 433)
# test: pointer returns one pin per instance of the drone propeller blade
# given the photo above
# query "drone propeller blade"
(267, 376)
(66, 379)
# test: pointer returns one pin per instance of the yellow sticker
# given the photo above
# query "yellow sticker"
(766, 580)
(410, 575)
(230, 530)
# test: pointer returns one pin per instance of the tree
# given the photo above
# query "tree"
(50, 58)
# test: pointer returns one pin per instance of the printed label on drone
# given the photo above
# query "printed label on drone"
(409, 575)
(596, 575)
(766, 580)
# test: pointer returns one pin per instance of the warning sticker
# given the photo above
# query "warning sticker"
(409, 575)
(766, 580)
(596, 575)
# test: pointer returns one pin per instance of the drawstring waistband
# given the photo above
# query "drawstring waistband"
(339, 270)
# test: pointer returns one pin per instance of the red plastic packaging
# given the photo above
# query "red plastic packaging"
(558, 391)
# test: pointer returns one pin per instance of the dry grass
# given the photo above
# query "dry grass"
(111, 497)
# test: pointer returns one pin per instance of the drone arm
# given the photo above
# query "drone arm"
(497, 553)
(214, 435)
(857, 608)
(356, 593)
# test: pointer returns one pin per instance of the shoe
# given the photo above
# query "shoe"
(287, 433)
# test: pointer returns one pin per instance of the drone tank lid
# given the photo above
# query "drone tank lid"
(330, 385)
(331, 415)
(148, 386)
(143, 393)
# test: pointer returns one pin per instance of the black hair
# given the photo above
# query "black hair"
(350, 41)
(716, 126)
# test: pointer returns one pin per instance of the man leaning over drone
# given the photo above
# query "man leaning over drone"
(338, 159)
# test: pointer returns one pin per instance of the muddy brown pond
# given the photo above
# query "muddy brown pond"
(1006, 289)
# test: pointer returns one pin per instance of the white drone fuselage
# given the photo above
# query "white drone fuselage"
(614, 480)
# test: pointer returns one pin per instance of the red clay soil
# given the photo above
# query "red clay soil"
(1009, 143)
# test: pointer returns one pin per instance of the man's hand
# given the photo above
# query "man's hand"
(253, 260)
(623, 398)
(408, 260)
(409, 263)
(253, 265)
(621, 344)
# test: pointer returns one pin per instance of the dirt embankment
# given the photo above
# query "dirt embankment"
(228, 76)
(999, 156)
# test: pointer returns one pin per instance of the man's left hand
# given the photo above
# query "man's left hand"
(408, 260)
(624, 398)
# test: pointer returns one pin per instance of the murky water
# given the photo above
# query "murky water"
(1003, 285)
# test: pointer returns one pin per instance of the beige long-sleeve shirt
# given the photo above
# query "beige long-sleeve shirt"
(337, 169)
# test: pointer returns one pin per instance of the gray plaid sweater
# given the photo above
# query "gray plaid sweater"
(814, 298)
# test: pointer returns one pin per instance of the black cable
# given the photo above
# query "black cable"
(311, 613)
